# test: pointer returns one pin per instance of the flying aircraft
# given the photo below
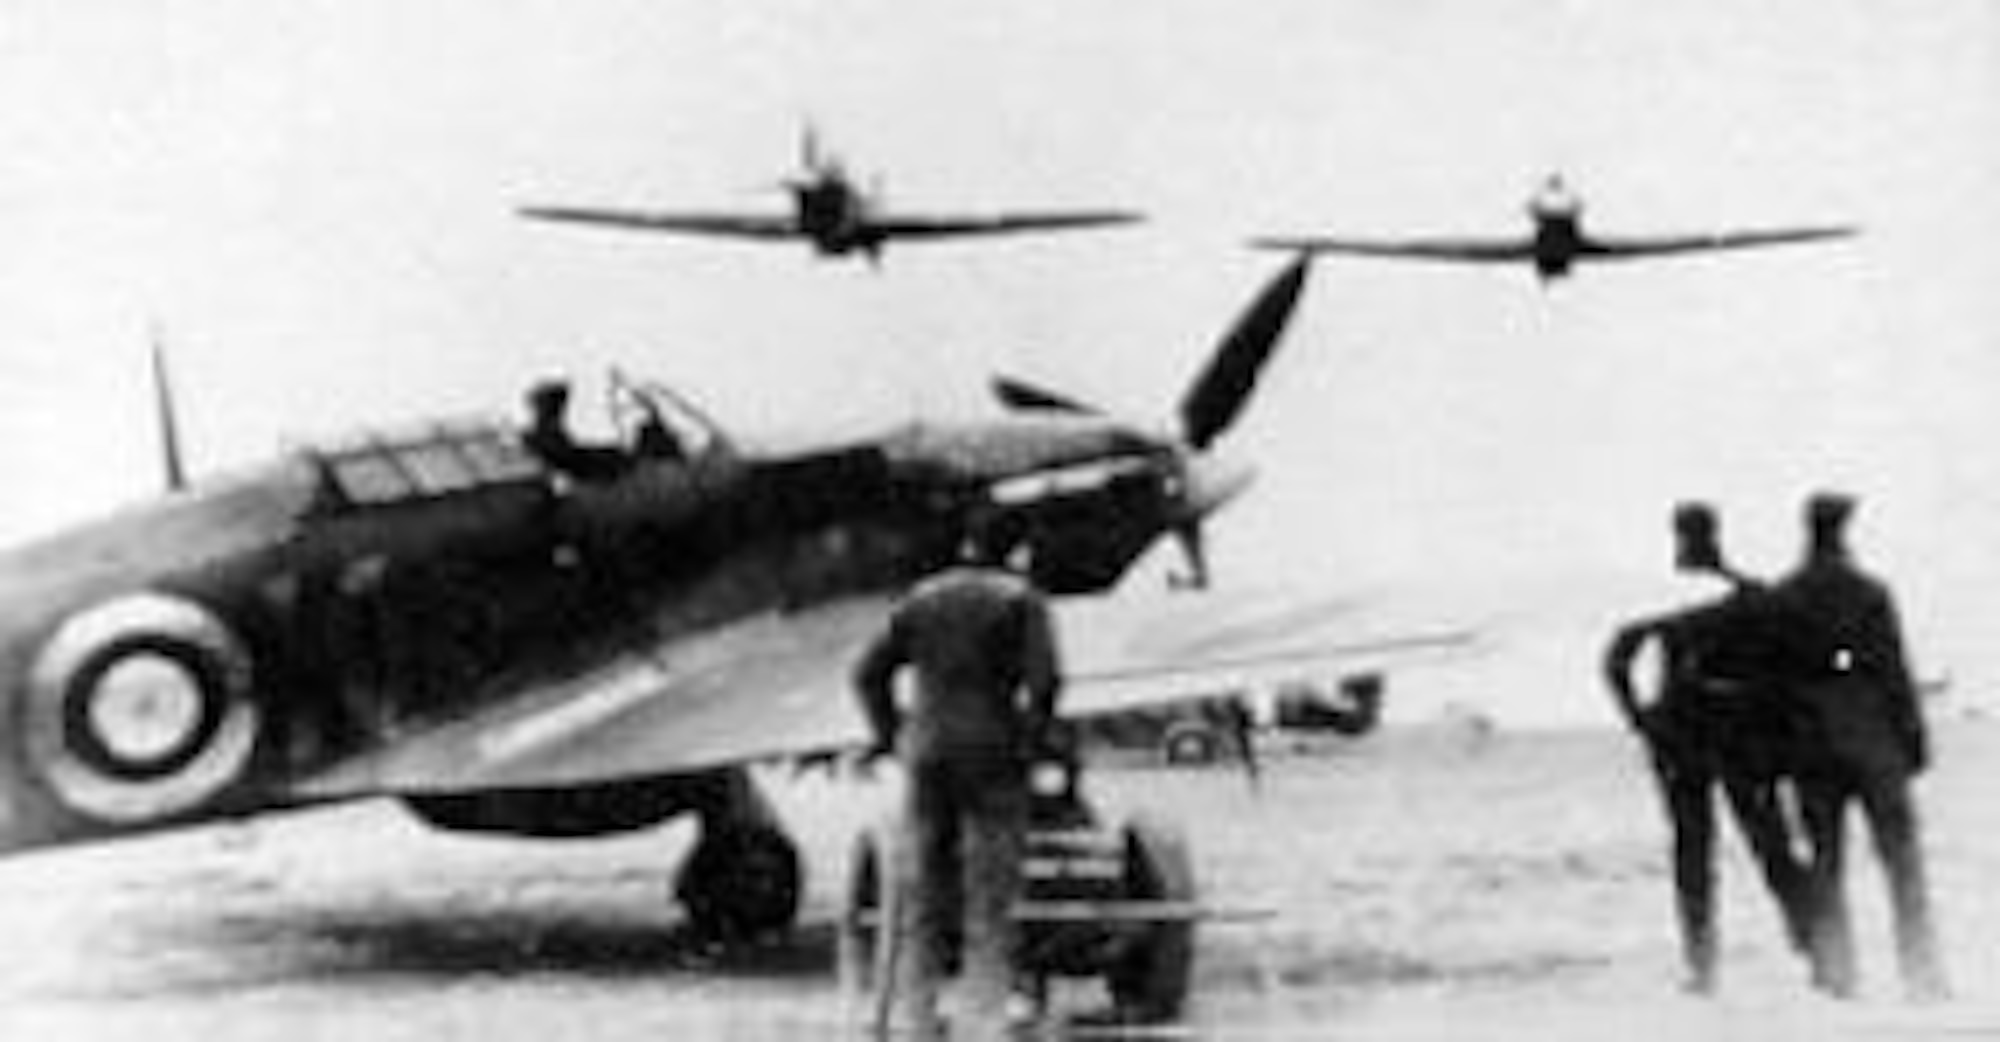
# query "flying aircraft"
(828, 211)
(438, 615)
(1557, 242)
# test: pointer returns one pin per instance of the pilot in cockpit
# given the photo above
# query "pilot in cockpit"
(1554, 200)
(548, 436)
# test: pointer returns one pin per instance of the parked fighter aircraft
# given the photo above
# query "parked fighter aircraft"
(1557, 242)
(831, 213)
(440, 616)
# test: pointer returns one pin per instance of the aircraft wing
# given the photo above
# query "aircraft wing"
(776, 687)
(1461, 250)
(946, 226)
(742, 226)
(1623, 247)
(1122, 653)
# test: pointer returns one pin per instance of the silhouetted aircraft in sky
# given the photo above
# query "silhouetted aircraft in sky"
(831, 213)
(1557, 242)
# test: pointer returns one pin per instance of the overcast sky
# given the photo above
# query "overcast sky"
(313, 201)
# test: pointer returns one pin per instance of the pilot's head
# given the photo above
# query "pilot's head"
(1697, 537)
(1554, 199)
(548, 399)
(1826, 517)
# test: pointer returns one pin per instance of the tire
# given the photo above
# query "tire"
(1190, 743)
(1150, 983)
(741, 882)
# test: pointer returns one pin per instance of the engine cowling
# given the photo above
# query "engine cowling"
(141, 709)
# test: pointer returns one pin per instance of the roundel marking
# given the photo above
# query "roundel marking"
(141, 708)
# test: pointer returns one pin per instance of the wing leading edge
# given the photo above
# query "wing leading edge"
(1439, 249)
(741, 226)
(1625, 247)
(776, 688)
(941, 226)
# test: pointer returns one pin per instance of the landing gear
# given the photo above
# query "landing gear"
(743, 880)
(741, 883)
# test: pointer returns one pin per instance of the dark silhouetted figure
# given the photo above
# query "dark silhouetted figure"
(980, 643)
(1719, 720)
(1865, 741)
(548, 437)
(656, 440)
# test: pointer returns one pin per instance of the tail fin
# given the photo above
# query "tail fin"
(163, 403)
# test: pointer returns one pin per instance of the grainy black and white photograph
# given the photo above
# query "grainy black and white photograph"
(769, 519)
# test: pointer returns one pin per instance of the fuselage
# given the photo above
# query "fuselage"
(197, 655)
(1559, 235)
(833, 214)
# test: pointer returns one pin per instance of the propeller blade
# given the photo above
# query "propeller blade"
(1194, 551)
(1218, 395)
(1209, 481)
(1021, 395)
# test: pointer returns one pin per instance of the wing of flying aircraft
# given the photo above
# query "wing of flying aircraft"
(742, 226)
(1622, 247)
(942, 227)
(1441, 249)
(776, 687)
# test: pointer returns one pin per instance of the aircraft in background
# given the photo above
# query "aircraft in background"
(1557, 242)
(831, 213)
(438, 615)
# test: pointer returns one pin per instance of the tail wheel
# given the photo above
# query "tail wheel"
(742, 881)
(1150, 983)
(141, 709)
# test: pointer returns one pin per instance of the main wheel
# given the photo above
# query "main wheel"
(1150, 983)
(741, 882)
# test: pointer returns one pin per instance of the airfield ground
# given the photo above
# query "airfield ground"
(1425, 882)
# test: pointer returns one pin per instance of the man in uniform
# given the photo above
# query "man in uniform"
(1865, 741)
(979, 640)
(1719, 720)
(548, 436)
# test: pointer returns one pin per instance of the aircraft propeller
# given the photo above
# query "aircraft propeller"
(1213, 403)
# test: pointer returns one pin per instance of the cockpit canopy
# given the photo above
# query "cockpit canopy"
(440, 458)
(423, 462)
(651, 419)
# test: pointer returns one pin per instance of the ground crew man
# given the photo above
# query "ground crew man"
(1865, 740)
(1719, 720)
(979, 642)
